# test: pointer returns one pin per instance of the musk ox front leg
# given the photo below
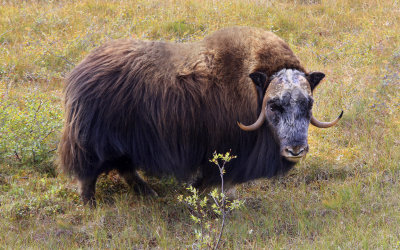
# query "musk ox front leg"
(137, 183)
(87, 188)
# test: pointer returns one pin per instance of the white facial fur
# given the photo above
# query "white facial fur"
(288, 80)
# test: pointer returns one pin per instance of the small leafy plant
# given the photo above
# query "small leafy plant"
(208, 234)
(29, 128)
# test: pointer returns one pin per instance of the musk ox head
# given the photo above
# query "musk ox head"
(286, 108)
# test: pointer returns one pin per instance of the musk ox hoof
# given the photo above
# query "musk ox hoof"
(90, 201)
(231, 193)
(136, 182)
(145, 190)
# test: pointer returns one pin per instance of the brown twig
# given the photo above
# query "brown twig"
(16, 155)
(221, 173)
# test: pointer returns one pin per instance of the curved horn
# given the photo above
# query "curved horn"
(319, 124)
(260, 120)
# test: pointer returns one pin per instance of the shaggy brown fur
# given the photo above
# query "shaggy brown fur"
(165, 107)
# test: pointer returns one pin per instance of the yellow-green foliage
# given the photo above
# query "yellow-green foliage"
(344, 195)
(29, 127)
(208, 234)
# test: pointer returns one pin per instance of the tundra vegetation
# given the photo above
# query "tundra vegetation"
(344, 194)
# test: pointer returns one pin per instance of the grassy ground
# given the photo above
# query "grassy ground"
(344, 195)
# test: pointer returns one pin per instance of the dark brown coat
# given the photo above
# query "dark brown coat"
(165, 107)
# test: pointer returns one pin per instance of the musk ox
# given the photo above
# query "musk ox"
(164, 108)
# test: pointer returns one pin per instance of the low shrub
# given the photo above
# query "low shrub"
(29, 129)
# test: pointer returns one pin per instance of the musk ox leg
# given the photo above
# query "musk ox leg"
(208, 177)
(87, 187)
(137, 183)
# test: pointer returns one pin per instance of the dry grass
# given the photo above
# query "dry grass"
(344, 195)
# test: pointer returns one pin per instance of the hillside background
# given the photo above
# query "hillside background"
(344, 195)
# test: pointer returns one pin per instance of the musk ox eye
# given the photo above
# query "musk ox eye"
(276, 108)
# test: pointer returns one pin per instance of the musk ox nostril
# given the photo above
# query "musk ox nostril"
(296, 150)
(295, 153)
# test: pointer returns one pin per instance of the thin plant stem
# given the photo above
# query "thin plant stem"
(222, 207)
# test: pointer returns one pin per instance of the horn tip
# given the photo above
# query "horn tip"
(341, 114)
(243, 127)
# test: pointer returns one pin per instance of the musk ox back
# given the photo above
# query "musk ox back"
(164, 108)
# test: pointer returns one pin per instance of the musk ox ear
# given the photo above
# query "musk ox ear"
(260, 80)
(314, 78)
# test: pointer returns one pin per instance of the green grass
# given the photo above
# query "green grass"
(344, 195)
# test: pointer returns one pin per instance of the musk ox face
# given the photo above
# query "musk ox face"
(286, 108)
(288, 112)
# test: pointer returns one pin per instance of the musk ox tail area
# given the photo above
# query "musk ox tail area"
(120, 108)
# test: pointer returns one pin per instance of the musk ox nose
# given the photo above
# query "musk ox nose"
(294, 153)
